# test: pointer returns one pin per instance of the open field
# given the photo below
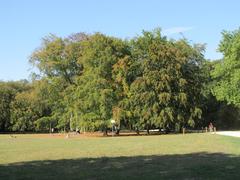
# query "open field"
(190, 156)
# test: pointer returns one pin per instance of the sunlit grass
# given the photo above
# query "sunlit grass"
(85, 155)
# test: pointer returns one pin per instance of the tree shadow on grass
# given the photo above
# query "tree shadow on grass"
(186, 166)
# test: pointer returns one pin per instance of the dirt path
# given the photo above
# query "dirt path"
(229, 133)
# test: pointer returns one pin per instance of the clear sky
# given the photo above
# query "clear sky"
(24, 22)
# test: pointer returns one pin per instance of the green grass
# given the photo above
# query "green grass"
(191, 156)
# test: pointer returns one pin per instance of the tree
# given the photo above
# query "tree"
(8, 91)
(22, 112)
(29, 106)
(96, 91)
(59, 57)
(166, 92)
(59, 62)
(227, 71)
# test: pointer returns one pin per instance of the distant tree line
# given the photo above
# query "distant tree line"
(146, 82)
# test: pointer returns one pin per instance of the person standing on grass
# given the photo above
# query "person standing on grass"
(77, 131)
(211, 127)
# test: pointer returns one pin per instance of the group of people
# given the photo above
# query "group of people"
(211, 127)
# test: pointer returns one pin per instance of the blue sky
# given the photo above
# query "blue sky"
(23, 23)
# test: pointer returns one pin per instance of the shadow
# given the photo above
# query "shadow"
(186, 166)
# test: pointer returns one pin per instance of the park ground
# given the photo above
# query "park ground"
(189, 156)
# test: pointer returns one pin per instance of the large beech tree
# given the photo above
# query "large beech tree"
(166, 90)
(96, 91)
(227, 71)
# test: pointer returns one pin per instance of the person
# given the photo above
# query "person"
(210, 127)
(77, 131)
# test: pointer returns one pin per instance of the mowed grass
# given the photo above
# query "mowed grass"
(190, 156)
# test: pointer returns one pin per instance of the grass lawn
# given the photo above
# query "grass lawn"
(190, 156)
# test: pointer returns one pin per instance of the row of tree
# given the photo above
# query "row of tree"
(145, 82)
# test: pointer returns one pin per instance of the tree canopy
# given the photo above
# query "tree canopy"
(227, 70)
(145, 82)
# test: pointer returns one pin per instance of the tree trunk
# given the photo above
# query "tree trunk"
(2, 128)
(118, 131)
(148, 129)
(105, 133)
(137, 130)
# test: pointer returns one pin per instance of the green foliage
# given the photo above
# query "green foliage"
(227, 70)
(22, 115)
(60, 63)
(96, 93)
(146, 82)
(166, 91)
(58, 58)
(8, 92)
